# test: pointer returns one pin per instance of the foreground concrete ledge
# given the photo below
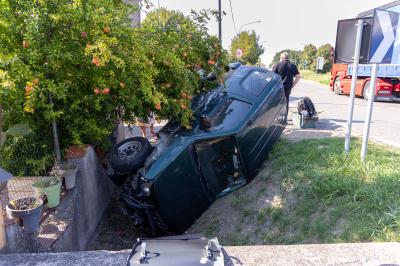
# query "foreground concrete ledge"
(329, 254)
(81, 258)
(325, 254)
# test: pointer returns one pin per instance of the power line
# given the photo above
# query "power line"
(233, 17)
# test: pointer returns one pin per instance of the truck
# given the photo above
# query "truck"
(387, 84)
(388, 81)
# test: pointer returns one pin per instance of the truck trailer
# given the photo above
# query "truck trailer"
(388, 81)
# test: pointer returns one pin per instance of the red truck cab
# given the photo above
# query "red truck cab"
(387, 88)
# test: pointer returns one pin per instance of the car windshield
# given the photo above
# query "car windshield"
(223, 112)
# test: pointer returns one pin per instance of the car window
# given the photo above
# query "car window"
(229, 115)
(255, 82)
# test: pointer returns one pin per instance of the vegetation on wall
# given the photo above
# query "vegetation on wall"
(81, 64)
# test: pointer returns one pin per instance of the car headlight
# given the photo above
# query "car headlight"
(145, 187)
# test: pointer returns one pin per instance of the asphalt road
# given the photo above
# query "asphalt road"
(385, 124)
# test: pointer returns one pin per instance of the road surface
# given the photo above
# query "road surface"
(385, 125)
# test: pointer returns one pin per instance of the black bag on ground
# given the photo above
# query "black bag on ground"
(306, 107)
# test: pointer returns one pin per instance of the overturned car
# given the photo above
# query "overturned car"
(170, 185)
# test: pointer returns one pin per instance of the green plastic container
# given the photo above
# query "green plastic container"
(51, 188)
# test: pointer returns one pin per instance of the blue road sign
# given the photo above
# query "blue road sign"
(385, 38)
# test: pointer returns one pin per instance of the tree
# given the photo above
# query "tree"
(249, 43)
(294, 57)
(308, 57)
(325, 52)
(180, 46)
(96, 68)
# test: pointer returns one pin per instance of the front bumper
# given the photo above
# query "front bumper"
(142, 211)
(389, 98)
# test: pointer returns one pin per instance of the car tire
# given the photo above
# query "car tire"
(336, 86)
(129, 155)
(366, 89)
(118, 179)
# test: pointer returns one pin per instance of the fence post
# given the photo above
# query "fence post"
(55, 134)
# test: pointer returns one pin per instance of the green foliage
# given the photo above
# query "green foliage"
(321, 195)
(308, 57)
(249, 43)
(324, 51)
(364, 196)
(19, 130)
(318, 77)
(30, 155)
(81, 64)
(180, 46)
(294, 57)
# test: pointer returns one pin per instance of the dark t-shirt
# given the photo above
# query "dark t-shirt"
(287, 71)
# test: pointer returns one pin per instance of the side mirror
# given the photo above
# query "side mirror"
(204, 122)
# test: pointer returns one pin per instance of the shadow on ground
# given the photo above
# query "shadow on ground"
(115, 232)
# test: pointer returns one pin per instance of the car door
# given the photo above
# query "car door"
(259, 128)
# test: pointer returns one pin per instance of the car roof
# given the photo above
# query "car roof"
(234, 84)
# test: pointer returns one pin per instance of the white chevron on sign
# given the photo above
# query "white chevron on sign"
(388, 36)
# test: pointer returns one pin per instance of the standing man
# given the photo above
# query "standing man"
(287, 71)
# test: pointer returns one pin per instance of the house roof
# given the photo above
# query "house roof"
(370, 13)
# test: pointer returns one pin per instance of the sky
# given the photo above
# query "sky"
(285, 24)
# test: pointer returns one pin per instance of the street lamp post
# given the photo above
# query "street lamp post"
(250, 23)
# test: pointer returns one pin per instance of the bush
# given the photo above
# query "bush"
(81, 64)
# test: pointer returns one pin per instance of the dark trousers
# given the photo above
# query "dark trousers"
(287, 94)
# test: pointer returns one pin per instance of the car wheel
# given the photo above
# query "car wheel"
(366, 89)
(337, 86)
(129, 155)
(118, 179)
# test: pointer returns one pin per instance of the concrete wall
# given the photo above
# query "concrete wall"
(74, 222)
(94, 192)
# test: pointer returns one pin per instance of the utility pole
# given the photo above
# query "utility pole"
(220, 21)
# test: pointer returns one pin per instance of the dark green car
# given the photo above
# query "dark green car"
(235, 127)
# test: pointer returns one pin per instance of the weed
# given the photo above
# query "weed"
(261, 192)
(262, 216)
(212, 226)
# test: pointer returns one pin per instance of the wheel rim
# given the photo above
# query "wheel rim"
(129, 149)
(337, 86)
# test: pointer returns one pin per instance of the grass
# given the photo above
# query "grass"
(326, 197)
(311, 75)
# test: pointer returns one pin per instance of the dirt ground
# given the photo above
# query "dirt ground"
(235, 215)
(116, 231)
